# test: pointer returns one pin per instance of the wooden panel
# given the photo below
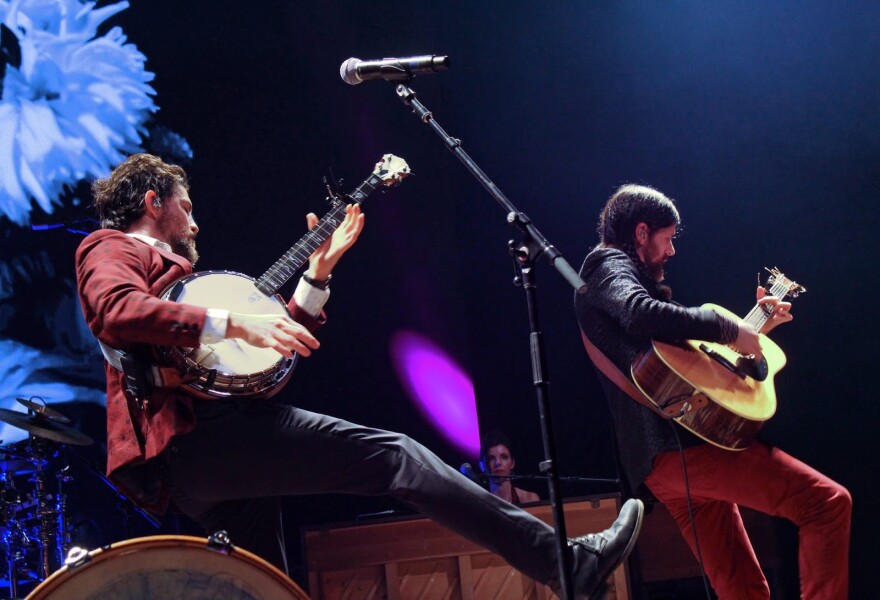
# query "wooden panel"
(366, 583)
(430, 562)
(391, 574)
(466, 577)
(429, 579)
(497, 579)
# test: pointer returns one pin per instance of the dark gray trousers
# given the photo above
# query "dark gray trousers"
(244, 455)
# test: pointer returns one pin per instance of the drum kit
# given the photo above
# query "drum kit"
(33, 518)
(39, 560)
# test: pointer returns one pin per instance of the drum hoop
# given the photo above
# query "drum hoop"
(57, 579)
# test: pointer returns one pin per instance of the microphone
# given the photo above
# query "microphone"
(355, 71)
(468, 471)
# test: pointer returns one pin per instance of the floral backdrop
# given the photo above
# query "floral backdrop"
(75, 98)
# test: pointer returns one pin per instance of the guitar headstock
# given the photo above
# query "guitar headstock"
(391, 170)
(779, 285)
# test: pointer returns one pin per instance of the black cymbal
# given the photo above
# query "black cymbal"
(45, 428)
(43, 410)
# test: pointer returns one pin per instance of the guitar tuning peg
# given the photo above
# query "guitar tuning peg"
(334, 187)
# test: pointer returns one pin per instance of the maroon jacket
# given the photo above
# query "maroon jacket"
(119, 279)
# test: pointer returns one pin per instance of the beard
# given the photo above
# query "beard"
(658, 275)
(185, 246)
(179, 236)
(655, 269)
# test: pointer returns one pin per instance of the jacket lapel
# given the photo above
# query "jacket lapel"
(175, 258)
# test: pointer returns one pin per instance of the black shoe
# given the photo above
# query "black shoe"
(596, 555)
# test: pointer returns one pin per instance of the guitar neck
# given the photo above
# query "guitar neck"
(760, 313)
(291, 261)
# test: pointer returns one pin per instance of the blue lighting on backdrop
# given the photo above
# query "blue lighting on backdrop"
(73, 102)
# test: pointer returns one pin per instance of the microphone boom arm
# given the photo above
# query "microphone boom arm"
(538, 244)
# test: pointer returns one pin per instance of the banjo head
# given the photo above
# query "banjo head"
(230, 367)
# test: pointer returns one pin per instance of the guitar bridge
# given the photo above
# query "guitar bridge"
(744, 366)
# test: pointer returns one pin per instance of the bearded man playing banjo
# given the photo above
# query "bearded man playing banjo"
(227, 461)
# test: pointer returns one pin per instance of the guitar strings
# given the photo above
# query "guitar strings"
(759, 314)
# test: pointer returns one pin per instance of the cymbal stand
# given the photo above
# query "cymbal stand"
(45, 511)
(62, 534)
(16, 540)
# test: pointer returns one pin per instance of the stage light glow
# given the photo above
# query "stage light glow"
(439, 387)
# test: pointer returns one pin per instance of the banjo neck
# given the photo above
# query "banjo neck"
(390, 171)
(291, 261)
(228, 368)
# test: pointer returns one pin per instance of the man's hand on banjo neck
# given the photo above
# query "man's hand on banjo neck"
(281, 333)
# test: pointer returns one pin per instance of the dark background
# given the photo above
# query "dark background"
(760, 119)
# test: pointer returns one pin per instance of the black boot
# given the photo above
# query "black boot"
(596, 555)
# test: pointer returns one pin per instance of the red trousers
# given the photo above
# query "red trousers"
(770, 481)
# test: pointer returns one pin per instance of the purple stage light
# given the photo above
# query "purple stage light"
(439, 387)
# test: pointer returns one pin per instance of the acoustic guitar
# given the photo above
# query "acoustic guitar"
(715, 392)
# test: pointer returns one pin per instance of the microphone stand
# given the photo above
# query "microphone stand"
(533, 246)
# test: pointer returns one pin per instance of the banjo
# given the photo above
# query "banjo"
(232, 368)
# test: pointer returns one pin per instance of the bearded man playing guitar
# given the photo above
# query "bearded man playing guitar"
(227, 461)
(627, 316)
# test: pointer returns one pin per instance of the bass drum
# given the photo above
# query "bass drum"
(168, 567)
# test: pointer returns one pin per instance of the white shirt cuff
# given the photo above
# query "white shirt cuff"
(309, 298)
(214, 328)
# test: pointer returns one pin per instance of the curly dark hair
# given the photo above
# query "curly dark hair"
(119, 199)
(630, 205)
